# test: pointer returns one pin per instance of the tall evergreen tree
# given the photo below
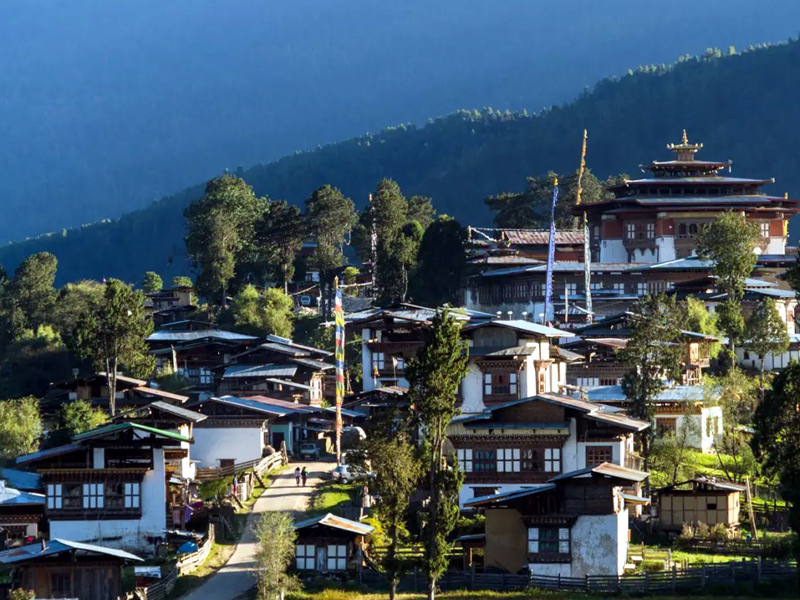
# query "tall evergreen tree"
(279, 235)
(652, 358)
(766, 332)
(434, 376)
(152, 282)
(729, 242)
(442, 263)
(219, 227)
(33, 289)
(777, 440)
(113, 336)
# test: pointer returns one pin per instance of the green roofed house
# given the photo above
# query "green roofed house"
(110, 484)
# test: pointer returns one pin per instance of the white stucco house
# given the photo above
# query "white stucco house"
(574, 525)
(690, 410)
(109, 484)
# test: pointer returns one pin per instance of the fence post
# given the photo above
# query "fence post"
(674, 577)
(758, 570)
(587, 583)
(559, 581)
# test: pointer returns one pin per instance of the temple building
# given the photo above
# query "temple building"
(642, 241)
(655, 219)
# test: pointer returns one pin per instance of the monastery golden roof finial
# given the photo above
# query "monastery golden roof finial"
(684, 151)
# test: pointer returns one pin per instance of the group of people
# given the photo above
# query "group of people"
(298, 475)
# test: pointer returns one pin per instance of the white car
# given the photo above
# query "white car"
(347, 473)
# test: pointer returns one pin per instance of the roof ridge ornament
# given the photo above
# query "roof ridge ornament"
(684, 151)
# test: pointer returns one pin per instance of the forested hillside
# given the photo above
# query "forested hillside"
(107, 106)
(742, 106)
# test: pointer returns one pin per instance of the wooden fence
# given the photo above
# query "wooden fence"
(259, 466)
(675, 581)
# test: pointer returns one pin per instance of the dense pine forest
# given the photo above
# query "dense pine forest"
(740, 105)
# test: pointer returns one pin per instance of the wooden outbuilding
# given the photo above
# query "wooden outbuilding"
(699, 500)
(330, 544)
(66, 569)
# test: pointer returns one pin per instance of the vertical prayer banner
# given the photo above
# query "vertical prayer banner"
(551, 255)
(338, 317)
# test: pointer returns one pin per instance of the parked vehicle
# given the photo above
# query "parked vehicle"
(347, 473)
(309, 451)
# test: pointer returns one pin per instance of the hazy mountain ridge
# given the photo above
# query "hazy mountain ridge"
(105, 106)
(461, 158)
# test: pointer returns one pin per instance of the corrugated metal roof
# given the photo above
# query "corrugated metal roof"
(512, 495)
(564, 354)
(541, 237)
(312, 363)
(119, 427)
(610, 342)
(21, 480)
(615, 418)
(606, 469)
(57, 451)
(287, 342)
(329, 520)
(178, 411)
(59, 546)
(161, 393)
(564, 266)
(254, 405)
(284, 349)
(533, 328)
(191, 336)
(277, 402)
(244, 371)
(9, 496)
(636, 500)
(346, 412)
(287, 383)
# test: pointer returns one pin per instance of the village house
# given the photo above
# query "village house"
(277, 368)
(699, 500)
(60, 568)
(690, 412)
(641, 241)
(598, 343)
(330, 544)
(530, 440)
(195, 352)
(110, 484)
(21, 515)
(170, 305)
(573, 525)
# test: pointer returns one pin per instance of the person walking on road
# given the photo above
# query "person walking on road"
(304, 474)
(297, 476)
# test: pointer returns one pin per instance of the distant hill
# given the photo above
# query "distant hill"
(106, 106)
(741, 106)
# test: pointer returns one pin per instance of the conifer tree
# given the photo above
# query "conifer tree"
(152, 282)
(765, 332)
(652, 358)
(434, 376)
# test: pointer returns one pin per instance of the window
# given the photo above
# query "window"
(54, 496)
(654, 287)
(711, 506)
(630, 231)
(764, 228)
(122, 495)
(508, 460)
(552, 460)
(693, 229)
(199, 376)
(92, 495)
(61, 585)
(504, 384)
(609, 381)
(530, 460)
(619, 287)
(572, 289)
(304, 557)
(484, 461)
(465, 459)
(651, 230)
(597, 455)
(537, 290)
(641, 288)
(682, 230)
(542, 381)
(667, 426)
(548, 540)
(337, 558)
(378, 359)
(595, 286)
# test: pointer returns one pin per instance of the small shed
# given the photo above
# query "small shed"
(66, 569)
(699, 500)
(330, 544)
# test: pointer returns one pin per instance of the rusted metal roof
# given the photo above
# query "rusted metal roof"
(512, 495)
(528, 237)
(608, 470)
(329, 520)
